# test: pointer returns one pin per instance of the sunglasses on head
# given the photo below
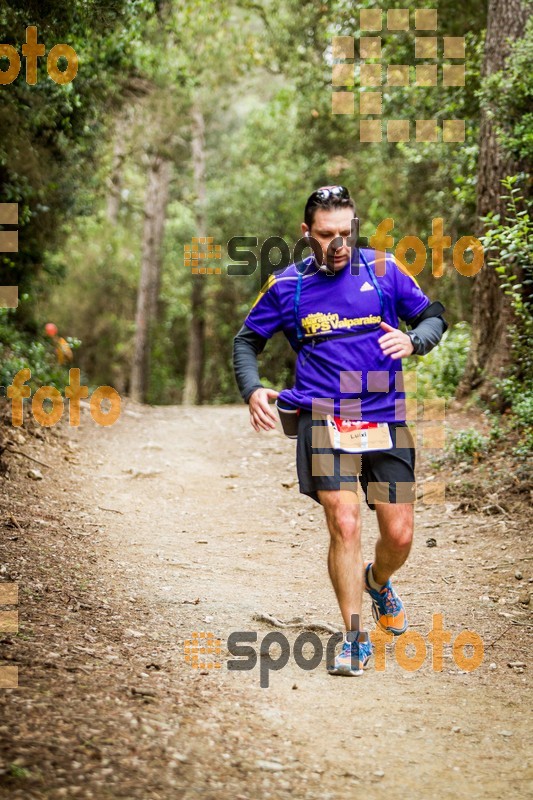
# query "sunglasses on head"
(325, 192)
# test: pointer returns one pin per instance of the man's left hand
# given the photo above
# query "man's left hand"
(395, 343)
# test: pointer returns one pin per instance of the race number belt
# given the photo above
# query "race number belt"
(356, 436)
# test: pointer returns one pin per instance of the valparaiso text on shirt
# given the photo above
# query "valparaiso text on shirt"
(332, 320)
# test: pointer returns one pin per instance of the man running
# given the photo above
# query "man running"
(340, 310)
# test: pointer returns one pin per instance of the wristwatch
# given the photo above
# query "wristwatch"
(417, 342)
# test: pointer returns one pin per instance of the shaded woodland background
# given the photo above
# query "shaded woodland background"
(214, 119)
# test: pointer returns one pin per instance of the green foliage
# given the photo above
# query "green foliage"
(522, 421)
(20, 350)
(468, 443)
(511, 432)
(472, 445)
(509, 247)
(508, 97)
(16, 771)
(96, 301)
(518, 421)
(439, 372)
(49, 132)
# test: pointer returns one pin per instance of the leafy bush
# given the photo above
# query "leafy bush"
(520, 399)
(508, 97)
(96, 300)
(522, 417)
(19, 350)
(439, 373)
(468, 443)
(508, 244)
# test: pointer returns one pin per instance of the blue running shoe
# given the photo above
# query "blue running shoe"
(387, 608)
(352, 659)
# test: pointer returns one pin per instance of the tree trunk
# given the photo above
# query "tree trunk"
(159, 171)
(491, 311)
(192, 392)
(115, 179)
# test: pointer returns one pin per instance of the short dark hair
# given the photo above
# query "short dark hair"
(327, 198)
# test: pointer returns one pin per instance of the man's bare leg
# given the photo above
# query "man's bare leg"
(345, 561)
(396, 526)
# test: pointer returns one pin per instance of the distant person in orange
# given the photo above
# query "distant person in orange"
(63, 349)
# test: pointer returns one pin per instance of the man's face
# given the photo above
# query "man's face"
(330, 224)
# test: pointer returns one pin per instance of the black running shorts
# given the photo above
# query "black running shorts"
(386, 476)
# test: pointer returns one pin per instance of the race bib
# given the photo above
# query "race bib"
(356, 436)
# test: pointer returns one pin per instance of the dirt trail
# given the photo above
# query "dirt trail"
(190, 505)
